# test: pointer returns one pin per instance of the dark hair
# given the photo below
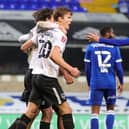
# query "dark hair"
(60, 12)
(105, 30)
(43, 14)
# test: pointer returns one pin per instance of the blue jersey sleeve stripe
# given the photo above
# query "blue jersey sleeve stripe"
(119, 60)
(86, 60)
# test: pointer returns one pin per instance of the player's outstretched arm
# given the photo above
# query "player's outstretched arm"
(117, 42)
(46, 25)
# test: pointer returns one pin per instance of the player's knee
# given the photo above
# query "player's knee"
(68, 110)
(47, 114)
(32, 113)
(110, 107)
(32, 110)
(65, 109)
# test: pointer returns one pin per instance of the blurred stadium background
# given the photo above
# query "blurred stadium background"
(88, 16)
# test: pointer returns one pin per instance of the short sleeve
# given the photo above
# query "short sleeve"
(87, 54)
(34, 40)
(118, 55)
(60, 40)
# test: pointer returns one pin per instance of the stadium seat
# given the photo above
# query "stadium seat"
(13, 6)
(12, 1)
(75, 8)
(23, 6)
(33, 7)
(34, 1)
(8, 6)
(24, 1)
(3, 1)
(74, 5)
(2, 5)
(123, 6)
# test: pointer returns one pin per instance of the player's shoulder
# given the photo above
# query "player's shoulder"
(54, 31)
(33, 29)
(103, 45)
(89, 47)
(58, 33)
(93, 45)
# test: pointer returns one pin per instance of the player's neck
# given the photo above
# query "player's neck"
(62, 28)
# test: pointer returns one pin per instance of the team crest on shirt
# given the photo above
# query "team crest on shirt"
(63, 39)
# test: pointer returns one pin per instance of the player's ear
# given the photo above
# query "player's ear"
(46, 19)
(107, 34)
(60, 19)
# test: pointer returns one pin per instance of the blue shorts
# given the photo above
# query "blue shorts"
(97, 95)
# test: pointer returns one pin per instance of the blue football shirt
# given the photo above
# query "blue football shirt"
(102, 59)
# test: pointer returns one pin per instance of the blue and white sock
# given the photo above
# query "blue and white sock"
(94, 123)
(110, 119)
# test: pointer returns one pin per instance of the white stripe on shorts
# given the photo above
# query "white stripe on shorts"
(57, 95)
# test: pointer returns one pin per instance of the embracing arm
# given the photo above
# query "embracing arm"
(118, 42)
(46, 25)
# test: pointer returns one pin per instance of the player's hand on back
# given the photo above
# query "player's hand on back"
(93, 37)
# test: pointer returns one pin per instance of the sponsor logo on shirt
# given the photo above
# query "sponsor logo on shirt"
(63, 39)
